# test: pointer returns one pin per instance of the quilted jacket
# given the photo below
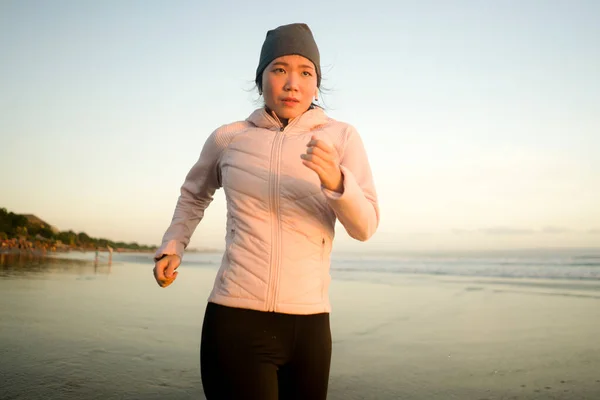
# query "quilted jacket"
(280, 220)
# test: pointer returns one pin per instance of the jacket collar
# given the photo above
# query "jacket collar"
(309, 120)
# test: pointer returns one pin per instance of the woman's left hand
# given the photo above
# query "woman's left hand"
(324, 160)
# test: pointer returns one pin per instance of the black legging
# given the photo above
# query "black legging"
(247, 354)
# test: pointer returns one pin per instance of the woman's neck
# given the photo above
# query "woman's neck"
(283, 121)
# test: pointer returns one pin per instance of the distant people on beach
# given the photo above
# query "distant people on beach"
(110, 254)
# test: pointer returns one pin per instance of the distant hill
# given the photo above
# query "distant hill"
(30, 227)
(34, 220)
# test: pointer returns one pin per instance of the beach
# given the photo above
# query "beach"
(70, 329)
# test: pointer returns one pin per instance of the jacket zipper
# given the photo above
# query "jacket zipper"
(274, 207)
(276, 219)
(323, 268)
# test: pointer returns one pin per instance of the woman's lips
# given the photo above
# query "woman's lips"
(290, 102)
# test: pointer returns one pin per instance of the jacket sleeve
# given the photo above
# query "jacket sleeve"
(357, 206)
(196, 194)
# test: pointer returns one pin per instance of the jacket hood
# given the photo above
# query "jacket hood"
(307, 121)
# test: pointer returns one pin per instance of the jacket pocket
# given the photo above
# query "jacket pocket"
(232, 232)
(229, 249)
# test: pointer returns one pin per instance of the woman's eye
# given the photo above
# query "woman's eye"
(279, 70)
(306, 73)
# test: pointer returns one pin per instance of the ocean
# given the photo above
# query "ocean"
(578, 264)
(520, 324)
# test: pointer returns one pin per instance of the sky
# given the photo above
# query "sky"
(481, 119)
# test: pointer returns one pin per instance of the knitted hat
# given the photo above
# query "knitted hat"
(287, 40)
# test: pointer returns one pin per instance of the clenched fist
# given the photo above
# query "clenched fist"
(164, 270)
(324, 160)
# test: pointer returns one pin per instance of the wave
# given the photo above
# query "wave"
(585, 266)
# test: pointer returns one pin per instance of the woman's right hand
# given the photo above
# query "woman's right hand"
(164, 270)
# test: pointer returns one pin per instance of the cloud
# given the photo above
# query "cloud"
(422, 233)
(555, 229)
(503, 230)
(458, 231)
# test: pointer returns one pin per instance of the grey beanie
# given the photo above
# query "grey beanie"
(286, 40)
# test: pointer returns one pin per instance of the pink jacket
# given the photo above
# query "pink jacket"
(280, 220)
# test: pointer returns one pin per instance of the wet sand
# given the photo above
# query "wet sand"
(69, 330)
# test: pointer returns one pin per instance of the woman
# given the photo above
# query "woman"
(288, 172)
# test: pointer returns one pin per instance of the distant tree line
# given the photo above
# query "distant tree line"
(16, 226)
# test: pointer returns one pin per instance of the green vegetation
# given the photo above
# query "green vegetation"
(31, 228)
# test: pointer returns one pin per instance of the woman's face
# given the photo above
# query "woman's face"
(289, 85)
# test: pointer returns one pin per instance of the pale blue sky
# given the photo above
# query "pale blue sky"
(481, 118)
